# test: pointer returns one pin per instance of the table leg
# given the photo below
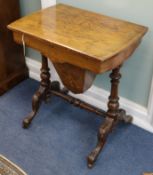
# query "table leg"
(41, 93)
(124, 117)
(111, 117)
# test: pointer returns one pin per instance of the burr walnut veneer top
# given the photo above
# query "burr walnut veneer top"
(85, 39)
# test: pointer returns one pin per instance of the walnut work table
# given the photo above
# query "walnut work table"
(80, 44)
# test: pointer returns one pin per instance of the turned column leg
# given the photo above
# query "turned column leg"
(111, 117)
(41, 93)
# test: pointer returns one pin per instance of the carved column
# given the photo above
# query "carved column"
(41, 93)
(111, 117)
(113, 104)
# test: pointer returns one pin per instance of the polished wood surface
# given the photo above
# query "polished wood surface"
(41, 94)
(113, 115)
(80, 44)
(12, 63)
(85, 39)
(76, 79)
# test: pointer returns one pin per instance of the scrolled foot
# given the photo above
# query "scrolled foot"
(128, 119)
(104, 130)
(91, 159)
(36, 102)
(27, 121)
(124, 117)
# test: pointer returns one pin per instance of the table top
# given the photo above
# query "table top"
(86, 39)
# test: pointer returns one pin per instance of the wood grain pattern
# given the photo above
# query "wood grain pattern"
(40, 94)
(111, 117)
(70, 35)
(75, 78)
(80, 44)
